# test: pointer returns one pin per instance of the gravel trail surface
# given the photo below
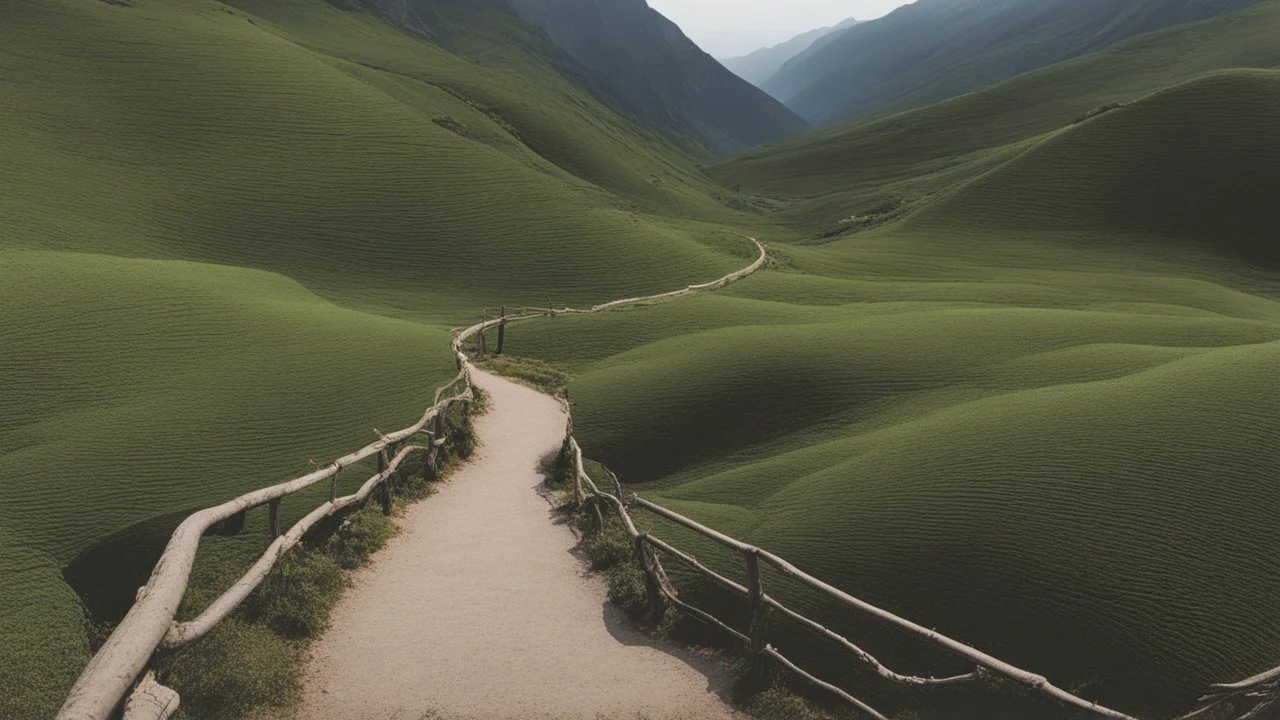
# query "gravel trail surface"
(479, 609)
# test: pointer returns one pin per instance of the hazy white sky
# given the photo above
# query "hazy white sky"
(727, 28)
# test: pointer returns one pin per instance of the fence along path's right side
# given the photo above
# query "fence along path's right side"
(480, 607)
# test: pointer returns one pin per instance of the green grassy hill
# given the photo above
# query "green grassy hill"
(233, 237)
(1023, 405)
(1196, 163)
(835, 173)
(1034, 414)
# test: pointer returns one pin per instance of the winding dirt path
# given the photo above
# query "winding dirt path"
(480, 610)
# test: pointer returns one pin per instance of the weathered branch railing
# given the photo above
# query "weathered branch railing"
(149, 625)
(1254, 697)
(120, 667)
(760, 602)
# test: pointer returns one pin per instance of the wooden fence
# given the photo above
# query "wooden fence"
(121, 666)
(660, 590)
(1245, 700)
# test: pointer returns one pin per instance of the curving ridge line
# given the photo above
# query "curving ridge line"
(149, 624)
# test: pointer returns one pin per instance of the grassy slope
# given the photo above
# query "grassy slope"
(150, 149)
(1030, 415)
(298, 139)
(836, 172)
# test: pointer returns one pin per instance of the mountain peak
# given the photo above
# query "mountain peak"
(643, 65)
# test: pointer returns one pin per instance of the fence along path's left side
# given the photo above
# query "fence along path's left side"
(118, 667)
(480, 608)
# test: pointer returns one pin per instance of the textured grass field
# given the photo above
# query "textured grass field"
(1037, 414)
(233, 238)
(836, 172)
(1033, 408)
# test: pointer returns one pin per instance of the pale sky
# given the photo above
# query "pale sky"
(728, 28)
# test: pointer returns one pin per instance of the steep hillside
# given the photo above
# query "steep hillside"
(836, 173)
(642, 64)
(937, 49)
(759, 66)
(1196, 164)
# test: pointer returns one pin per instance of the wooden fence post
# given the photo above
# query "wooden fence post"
(484, 346)
(756, 590)
(502, 330)
(429, 463)
(650, 582)
(273, 515)
(385, 490)
(333, 487)
(437, 432)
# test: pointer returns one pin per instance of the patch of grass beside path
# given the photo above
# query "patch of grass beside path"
(537, 374)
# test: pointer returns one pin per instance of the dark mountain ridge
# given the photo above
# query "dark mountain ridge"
(629, 57)
(933, 50)
(643, 64)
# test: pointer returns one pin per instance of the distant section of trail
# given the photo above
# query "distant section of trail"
(480, 610)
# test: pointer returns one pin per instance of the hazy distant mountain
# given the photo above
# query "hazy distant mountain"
(936, 49)
(757, 67)
(652, 72)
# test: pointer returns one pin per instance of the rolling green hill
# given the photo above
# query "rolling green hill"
(1196, 164)
(1035, 414)
(836, 173)
(233, 237)
(1025, 403)
(933, 50)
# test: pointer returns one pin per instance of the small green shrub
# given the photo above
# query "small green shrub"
(452, 124)
(608, 548)
(1100, 110)
(295, 599)
(776, 702)
(626, 588)
(363, 534)
(236, 669)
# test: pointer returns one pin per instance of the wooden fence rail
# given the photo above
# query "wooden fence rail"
(120, 667)
(760, 602)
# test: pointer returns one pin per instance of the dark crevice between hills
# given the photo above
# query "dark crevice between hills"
(106, 575)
